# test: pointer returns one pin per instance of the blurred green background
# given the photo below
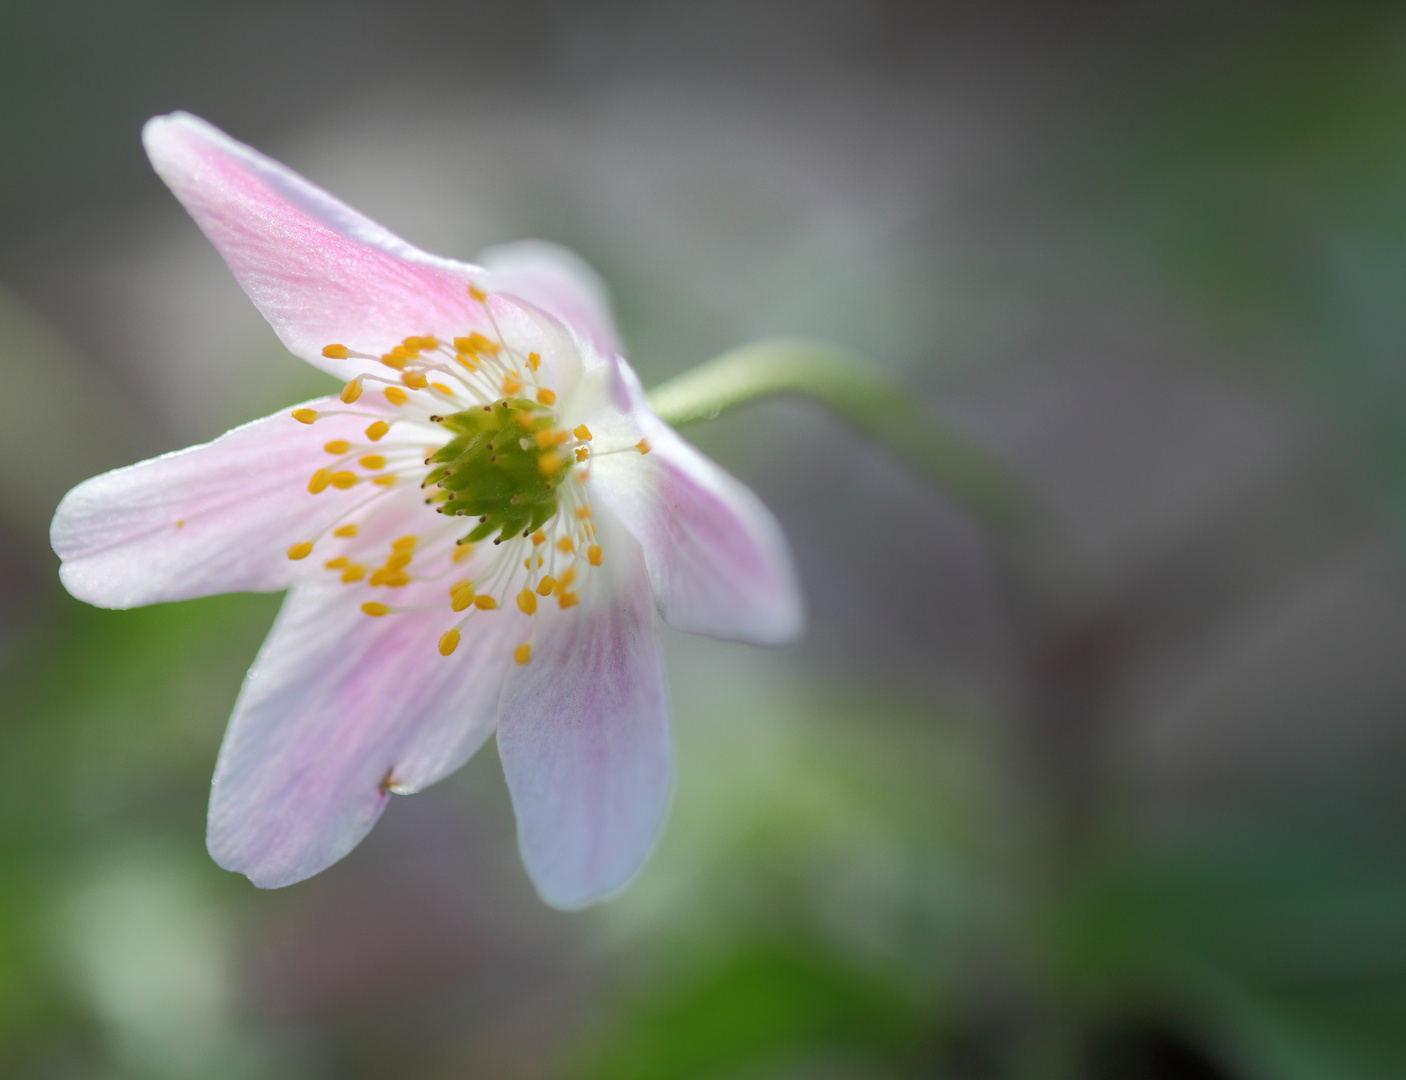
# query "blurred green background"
(1151, 257)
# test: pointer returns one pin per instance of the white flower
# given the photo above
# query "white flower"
(476, 535)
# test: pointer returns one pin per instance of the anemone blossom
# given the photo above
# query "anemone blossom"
(476, 535)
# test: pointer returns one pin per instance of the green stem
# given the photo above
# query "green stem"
(870, 403)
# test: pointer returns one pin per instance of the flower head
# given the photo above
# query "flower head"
(477, 534)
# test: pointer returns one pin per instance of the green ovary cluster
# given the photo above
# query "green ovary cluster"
(501, 466)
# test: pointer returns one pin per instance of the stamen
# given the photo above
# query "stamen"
(301, 550)
(448, 642)
(373, 462)
(568, 600)
(373, 607)
(341, 562)
(582, 453)
(335, 352)
(337, 446)
(476, 293)
(527, 601)
(404, 543)
(342, 479)
(384, 481)
(461, 595)
(583, 512)
(523, 653)
(582, 432)
(644, 446)
(346, 530)
(351, 391)
(413, 379)
(545, 396)
(593, 555)
(485, 603)
(566, 545)
(377, 430)
(461, 551)
(319, 481)
(354, 572)
(550, 463)
(396, 396)
(546, 585)
(533, 362)
(512, 386)
(539, 537)
(304, 416)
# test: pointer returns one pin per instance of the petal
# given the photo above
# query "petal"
(320, 272)
(583, 733)
(339, 710)
(211, 519)
(718, 560)
(559, 282)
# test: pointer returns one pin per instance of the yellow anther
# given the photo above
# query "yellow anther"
(396, 396)
(546, 397)
(448, 642)
(337, 446)
(341, 562)
(346, 530)
(300, 551)
(545, 438)
(429, 343)
(397, 357)
(539, 537)
(582, 432)
(404, 543)
(550, 463)
(485, 603)
(459, 601)
(568, 600)
(411, 345)
(319, 481)
(546, 585)
(476, 293)
(373, 607)
(397, 579)
(582, 513)
(593, 554)
(377, 430)
(467, 361)
(384, 481)
(351, 391)
(527, 601)
(343, 479)
(582, 453)
(354, 572)
(442, 388)
(526, 563)
(399, 561)
(512, 385)
(644, 446)
(567, 577)
(523, 653)
(373, 462)
(413, 379)
(566, 545)
(335, 352)
(461, 551)
(304, 416)
(534, 362)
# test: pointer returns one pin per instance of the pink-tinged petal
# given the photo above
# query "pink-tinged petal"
(583, 733)
(320, 272)
(211, 519)
(340, 710)
(718, 560)
(559, 282)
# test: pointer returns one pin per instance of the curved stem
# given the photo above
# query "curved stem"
(867, 401)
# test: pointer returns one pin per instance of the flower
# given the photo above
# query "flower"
(476, 534)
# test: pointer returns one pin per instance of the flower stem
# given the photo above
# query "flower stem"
(867, 401)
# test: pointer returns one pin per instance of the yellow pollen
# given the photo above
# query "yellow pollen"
(384, 481)
(341, 562)
(461, 551)
(373, 462)
(545, 438)
(459, 601)
(300, 551)
(526, 563)
(404, 543)
(523, 653)
(335, 352)
(583, 512)
(411, 345)
(593, 554)
(568, 600)
(390, 578)
(566, 545)
(583, 433)
(343, 479)
(373, 607)
(550, 463)
(485, 603)
(337, 446)
(304, 416)
(467, 361)
(377, 430)
(399, 561)
(546, 397)
(396, 396)
(512, 385)
(644, 446)
(567, 577)
(448, 642)
(477, 294)
(546, 585)
(582, 453)
(449, 391)
(354, 572)
(527, 601)
(319, 481)
(414, 379)
(397, 357)
(351, 391)
(429, 343)
(534, 362)
(539, 537)
(346, 530)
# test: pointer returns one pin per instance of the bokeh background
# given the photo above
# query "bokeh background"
(1150, 257)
